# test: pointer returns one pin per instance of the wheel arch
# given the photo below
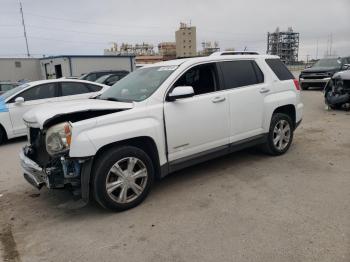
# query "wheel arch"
(145, 143)
(288, 110)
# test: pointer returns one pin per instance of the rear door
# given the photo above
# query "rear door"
(245, 88)
(34, 96)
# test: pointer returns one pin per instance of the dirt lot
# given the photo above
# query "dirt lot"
(243, 207)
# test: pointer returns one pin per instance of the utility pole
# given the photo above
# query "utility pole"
(24, 29)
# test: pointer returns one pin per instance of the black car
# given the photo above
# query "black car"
(110, 79)
(321, 72)
(337, 90)
(93, 76)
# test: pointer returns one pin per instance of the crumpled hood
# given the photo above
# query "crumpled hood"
(41, 114)
(345, 75)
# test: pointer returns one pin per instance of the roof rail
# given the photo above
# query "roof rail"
(234, 53)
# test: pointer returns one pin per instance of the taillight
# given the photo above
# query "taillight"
(296, 83)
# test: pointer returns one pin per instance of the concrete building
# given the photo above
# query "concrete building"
(285, 44)
(76, 65)
(186, 41)
(16, 69)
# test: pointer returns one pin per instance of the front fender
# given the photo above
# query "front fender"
(88, 142)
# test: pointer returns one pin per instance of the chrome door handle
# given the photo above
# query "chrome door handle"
(218, 99)
(264, 90)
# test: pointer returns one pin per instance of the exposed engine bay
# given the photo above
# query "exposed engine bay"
(337, 91)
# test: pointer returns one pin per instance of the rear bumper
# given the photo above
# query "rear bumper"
(32, 172)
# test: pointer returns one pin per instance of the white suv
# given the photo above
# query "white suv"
(159, 119)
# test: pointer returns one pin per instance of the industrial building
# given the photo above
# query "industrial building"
(208, 48)
(284, 44)
(167, 50)
(18, 69)
(186, 41)
(76, 65)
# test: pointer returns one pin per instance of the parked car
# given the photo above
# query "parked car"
(6, 86)
(159, 119)
(111, 79)
(93, 76)
(17, 101)
(321, 72)
(337, 91)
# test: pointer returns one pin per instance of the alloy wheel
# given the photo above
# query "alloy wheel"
(281, 135)
(126, 180)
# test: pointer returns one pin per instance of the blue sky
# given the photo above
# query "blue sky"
(87, 27)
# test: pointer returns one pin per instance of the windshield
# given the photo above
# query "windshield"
(102, 79)
(138, 85)
(329, 62)
(13, 91)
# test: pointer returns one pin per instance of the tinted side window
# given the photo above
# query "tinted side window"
(279, 68)
(91, 77)
(202, 78)
(69, 89)
(241, 73)
(6, 87)
(94, 88)
(113, 79)
(39, 92)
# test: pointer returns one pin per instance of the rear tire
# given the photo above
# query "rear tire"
(122, 178)
(280, 135)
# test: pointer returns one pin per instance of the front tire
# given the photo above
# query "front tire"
(122, 178)
(280, 134)
(3, 136)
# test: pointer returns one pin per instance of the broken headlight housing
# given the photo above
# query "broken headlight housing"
(58, 138)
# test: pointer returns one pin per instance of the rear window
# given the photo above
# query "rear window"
(280, 70)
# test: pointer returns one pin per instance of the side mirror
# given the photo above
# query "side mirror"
(19, 100)
(180, 92)
(346, 67)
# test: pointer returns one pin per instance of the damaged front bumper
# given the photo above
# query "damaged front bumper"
(32, 172)
(38, 176)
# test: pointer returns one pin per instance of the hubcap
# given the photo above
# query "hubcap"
(281, 134)
(126, 180)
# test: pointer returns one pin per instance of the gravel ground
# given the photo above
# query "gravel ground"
(243, 207)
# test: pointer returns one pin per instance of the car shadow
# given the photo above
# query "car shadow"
(62, 202)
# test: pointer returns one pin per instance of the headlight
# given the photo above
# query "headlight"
(58, 138)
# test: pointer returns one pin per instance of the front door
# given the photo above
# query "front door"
(200, 123)
(33, 97)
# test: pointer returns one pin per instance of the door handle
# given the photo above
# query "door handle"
(264, 90)
(218, 99)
